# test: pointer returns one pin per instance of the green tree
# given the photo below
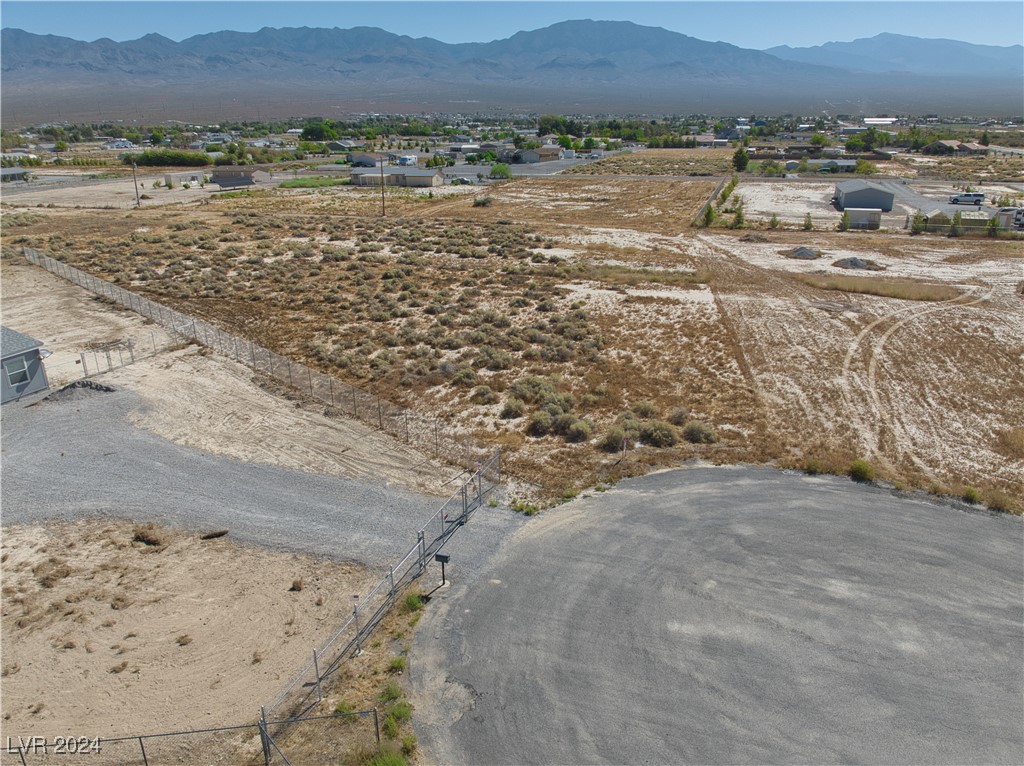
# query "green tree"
(917, 224)
(808, 224)
(984, 138)
(844, 222)
(500, 170)
(319, 131)
(774, 222)
(819, 140)
(709, 216)
(855, 144)
(992, 230)
(865, 168)
(740, 159)
(60, 146)
(957, 227)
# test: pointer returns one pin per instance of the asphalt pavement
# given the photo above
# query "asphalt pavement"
(732, 615)
(80, 457)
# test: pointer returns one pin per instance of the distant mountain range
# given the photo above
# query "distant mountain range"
(571, 67)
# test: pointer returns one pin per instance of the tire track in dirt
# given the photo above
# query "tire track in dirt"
(870, 434)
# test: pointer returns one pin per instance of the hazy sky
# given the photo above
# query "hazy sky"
(750, 24)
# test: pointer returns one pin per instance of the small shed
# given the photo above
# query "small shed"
(864, 217)
(174, 180)
(974, 219)
(863, 194)
(937, 220)
(14, 174)
(22, 361)
(228, 176)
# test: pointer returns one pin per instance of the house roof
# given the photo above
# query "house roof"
(936, 213)
(850, 186)
(399, 171)
(13, 342)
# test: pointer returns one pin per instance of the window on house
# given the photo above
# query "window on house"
(17, 371)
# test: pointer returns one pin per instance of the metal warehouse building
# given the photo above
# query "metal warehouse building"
(862, 194)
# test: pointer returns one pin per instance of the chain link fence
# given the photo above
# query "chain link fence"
(249, 745)
(280, 729)
(424, 432)
(284, 718)
(305, 690)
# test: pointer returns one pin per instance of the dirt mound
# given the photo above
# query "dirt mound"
(802, 254)
(753, 237)
(861, 264)
(78, 390)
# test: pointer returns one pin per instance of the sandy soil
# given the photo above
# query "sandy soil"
(104, 635)
(109, 193)
(116, 636)
(228, 411)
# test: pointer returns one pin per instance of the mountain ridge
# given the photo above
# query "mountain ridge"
(573, 67)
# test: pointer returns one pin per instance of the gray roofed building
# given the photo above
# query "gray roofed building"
(863, 194)
(23, 372)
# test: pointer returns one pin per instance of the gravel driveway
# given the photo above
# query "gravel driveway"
(78, 456)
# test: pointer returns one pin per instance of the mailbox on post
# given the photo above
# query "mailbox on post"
(443, 558)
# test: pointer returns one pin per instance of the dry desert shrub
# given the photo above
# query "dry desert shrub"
(888, 287)
(148, 534)
(1010, 443)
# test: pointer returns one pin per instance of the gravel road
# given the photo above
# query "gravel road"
(733, 615)
(79, 457)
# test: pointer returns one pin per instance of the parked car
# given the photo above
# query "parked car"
(967, 198)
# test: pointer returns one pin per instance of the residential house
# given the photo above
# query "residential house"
(398, 176)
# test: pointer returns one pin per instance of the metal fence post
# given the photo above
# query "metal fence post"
(465, 501)
(142, 747)
(309, 375)
(290, 373)
(264, 737)
(316, 669)
(376, 727)
(391, 578)
(330, 382)
(85, 369)
(359, 638)
(423, 551)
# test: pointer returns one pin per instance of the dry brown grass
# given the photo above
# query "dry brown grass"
(988, 168)
(595, 283)
(1010, 443)
(886, 287)
(662, 162)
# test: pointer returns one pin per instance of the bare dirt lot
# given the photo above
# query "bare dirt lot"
(128, 628)
(112, 627)
(227, 411)
(562, 318)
